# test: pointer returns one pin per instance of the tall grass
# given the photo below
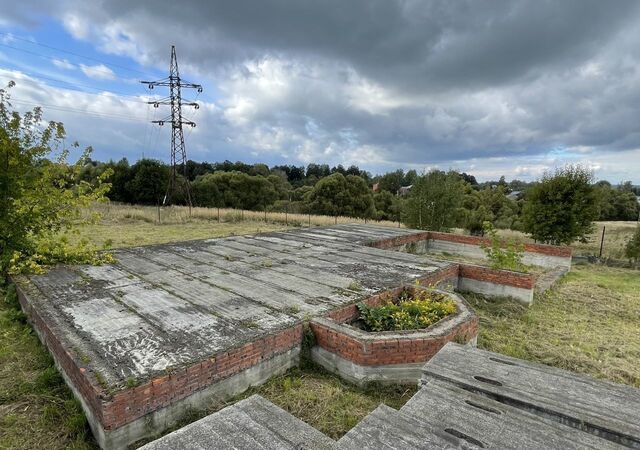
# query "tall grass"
(122, 213)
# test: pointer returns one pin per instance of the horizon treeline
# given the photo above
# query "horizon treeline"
(340, 191)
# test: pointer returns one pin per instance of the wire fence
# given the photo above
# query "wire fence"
(180, 214)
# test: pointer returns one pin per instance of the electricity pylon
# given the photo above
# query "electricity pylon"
(174, 100)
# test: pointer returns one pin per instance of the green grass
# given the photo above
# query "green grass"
(589, 323)
(37, 410)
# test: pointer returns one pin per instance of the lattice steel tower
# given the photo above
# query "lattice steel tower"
(174, 100)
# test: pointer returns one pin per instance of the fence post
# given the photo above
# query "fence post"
(218, 214)
(602, 241)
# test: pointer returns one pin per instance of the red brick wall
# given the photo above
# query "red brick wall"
(124, 406)
(128, 405)
(550, 250)
(82, 379)
(388, 351)
(505, 277)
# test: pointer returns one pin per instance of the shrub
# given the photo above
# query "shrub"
(41, 194)
(411, 310)
(632, 249)
(508, 257)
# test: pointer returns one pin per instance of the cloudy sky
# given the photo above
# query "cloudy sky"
(488, 87)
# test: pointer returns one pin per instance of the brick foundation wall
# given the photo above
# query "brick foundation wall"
(549, 250)
(377, 352)
(133, 403)
(401, 347)
(504, 277)
(113, 410)
(83, 380)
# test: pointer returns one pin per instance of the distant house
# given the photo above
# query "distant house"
(376, 187)
(514, 195)
(404, 190)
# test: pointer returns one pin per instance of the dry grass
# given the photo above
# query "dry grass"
(617, 234)
(131, 225)
(588, 323)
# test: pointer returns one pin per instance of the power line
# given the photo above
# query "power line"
(85, 86)
(80, 111)
(12, 36)
(52, 58)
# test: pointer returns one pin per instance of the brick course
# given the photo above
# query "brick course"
(505, 277)
(550, 250)
(387, 348)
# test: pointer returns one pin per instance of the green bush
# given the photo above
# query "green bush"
(632, 249)
(508, 257)
(42, 196)
(412, 310)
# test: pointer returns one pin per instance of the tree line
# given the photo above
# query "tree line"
(437, 200)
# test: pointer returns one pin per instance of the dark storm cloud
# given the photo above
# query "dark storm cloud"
(387, 83)
(420, 44)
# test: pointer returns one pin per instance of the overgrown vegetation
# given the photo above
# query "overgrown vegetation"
(503, 255)
(413, 309)
(41, 194)
(632, 249)
(588, 323)
(37, 410)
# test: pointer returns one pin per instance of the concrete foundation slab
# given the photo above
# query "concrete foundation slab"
(170, 326)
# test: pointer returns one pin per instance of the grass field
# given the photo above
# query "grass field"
(130, 225)
(616, 236)
(588, 323)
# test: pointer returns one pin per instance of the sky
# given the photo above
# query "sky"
(491, 88)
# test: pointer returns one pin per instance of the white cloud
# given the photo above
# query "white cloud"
(63, 64)
(7, 38)
(98, 72)
(76, 25)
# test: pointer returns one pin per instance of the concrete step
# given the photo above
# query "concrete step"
(604, 409)
(253, 423)
(386, 428)
(496, 425)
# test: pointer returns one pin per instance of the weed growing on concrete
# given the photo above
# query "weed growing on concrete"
(250, 324)
(294, 309)
(501, 256)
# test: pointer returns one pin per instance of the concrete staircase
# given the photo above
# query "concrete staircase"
(469, 399)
